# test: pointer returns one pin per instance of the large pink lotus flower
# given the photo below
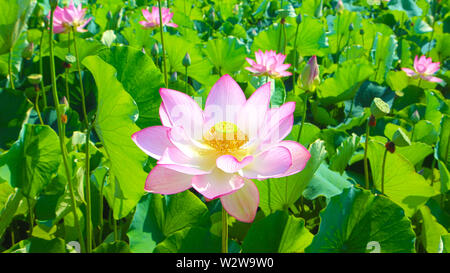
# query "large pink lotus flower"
(269, 63)
(66, 18)
(152, 19)
(424, 68)
(219, 150)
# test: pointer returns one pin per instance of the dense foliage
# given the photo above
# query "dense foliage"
(105, 85)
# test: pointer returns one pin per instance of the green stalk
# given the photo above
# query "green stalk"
(305, 105)
(366, 166)
(338, 37)
(412, 132)
(30, 216)
(382, 170)
(281, 30)
(186, 81)
(161, 30)
(41, 71)
(279, 37)
(66, 72)
(224, 231)
(116, 234)
(432, 31)
(295, 60)
(11, 80)
(285, 39)
(100, 233)
(61, 134)
(88, 130)
(36, 105)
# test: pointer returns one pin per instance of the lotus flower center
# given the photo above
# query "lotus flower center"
(421, 68)
(225, 137)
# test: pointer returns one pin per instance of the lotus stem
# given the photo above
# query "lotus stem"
(224, 231)
(161, 28)
(30, 216)
(366, 166)
(41, 70)
(36, 105)
(61, 133)
(11, 79)
(87, 170)
(186, 80)
(294, 83)
(305, 105)
(382, 170)
(66, 72)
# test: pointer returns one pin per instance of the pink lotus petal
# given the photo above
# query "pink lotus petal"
(153, 140)
(176, 160)
(251, 69)
(230, 164)
(300, 156)
(256, 107)
(165, 181)
(164, 116)
(147, 15)
(271, 163)
(242, 204)
(182, 110)
(432, 68)
(171, 25)
(278, 123)
(409, 72)
(431, 79)
(224, 100)
(250, 61)
(217, 183)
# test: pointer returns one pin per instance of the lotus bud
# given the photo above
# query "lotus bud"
(186, 60)
(400, 138)
(379, 108)
(310, 75)
(351, 27)
(174, 77)
(211, 16)
(298, 19)
(339, 7)
(155, 50)
(415, 117)
(361, 31)
(64, 101)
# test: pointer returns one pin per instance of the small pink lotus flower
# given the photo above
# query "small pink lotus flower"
(152, 19)
(269, 64)
(218, 150)
(66, 18)
(424, 68)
